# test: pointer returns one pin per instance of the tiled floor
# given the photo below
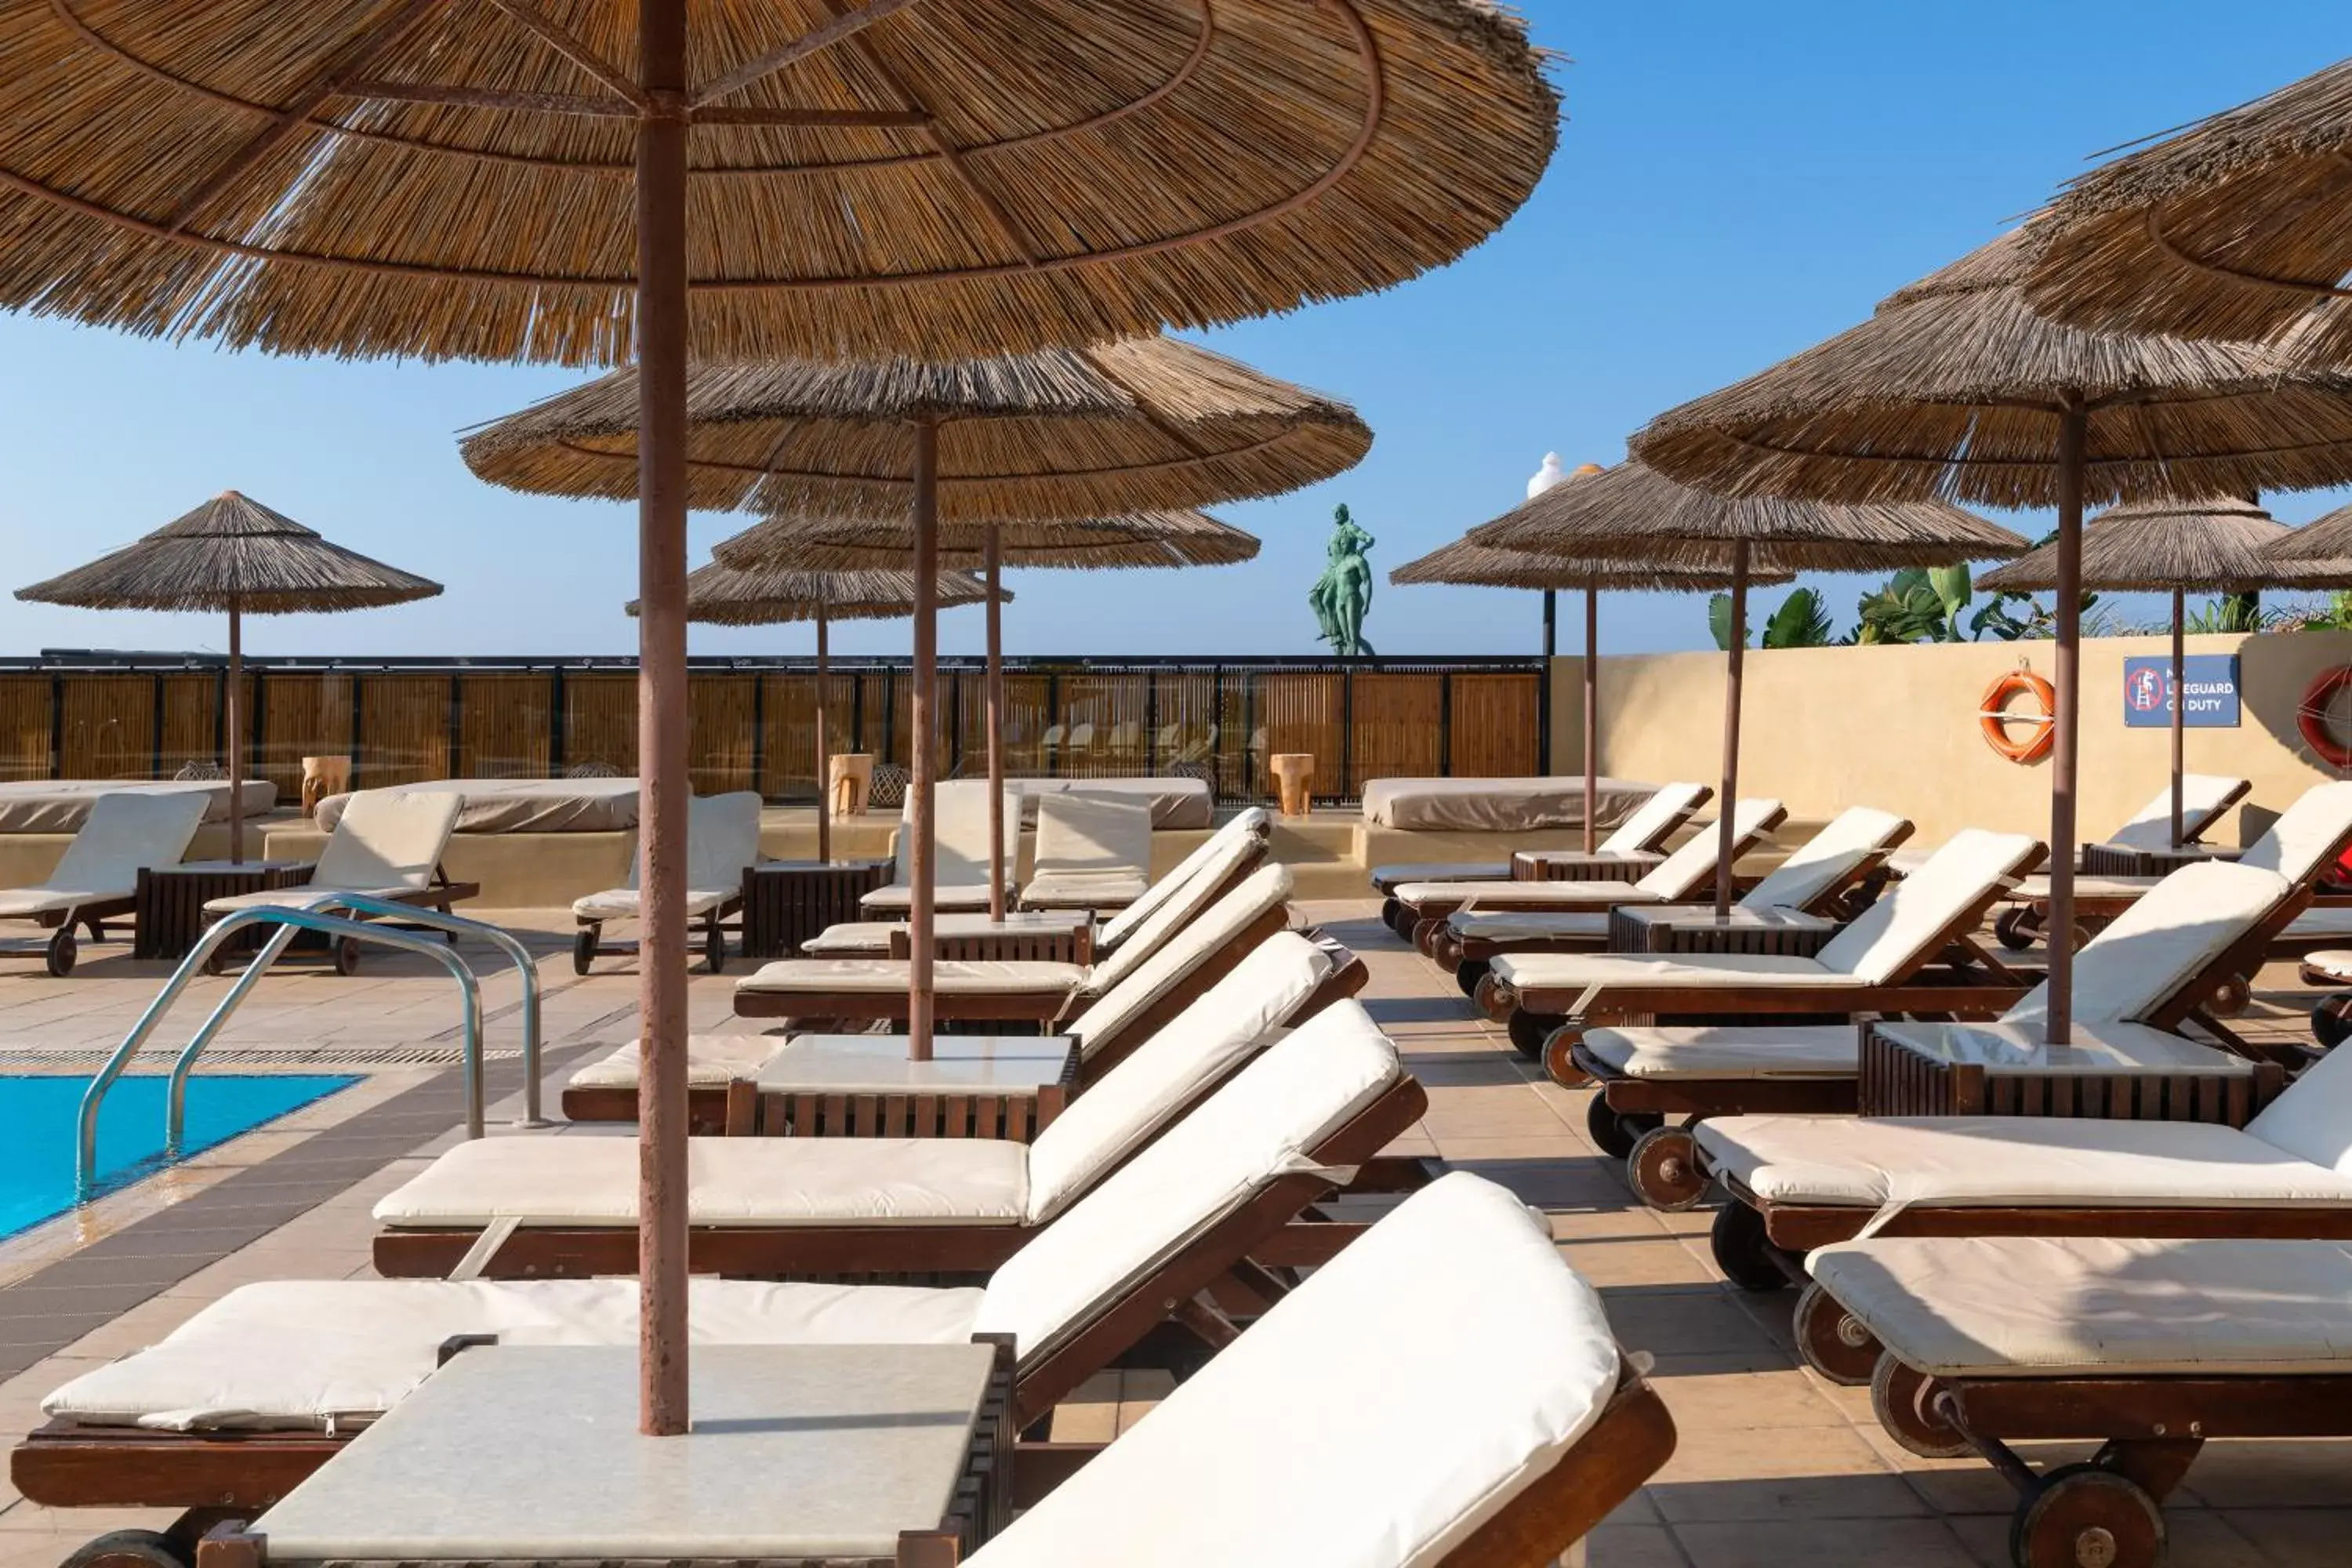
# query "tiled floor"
(1774, 1467)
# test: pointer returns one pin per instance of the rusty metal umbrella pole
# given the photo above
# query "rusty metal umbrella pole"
(922, 819)
(824, 742)
(993, 567)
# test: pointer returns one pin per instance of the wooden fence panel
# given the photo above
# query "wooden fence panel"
(788, 722)
(1496, 721)
(189, 731)
(25, 731)
(303, 713)
(109, 727)
(600, 723)
(719, 731)
(1398, 731)
(1293, 710)
(403, 727)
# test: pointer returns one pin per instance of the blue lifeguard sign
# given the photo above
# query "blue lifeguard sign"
(2212, 698)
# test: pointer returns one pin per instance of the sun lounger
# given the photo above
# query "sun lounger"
(2133, 984)
(1804, 1182)
(1814, 879)
(2148, 832)
(1895, 957)
(262, 1386)
(1227, 856)
(98, 878)
(2301, 846)
(770, 1208)
(959, 865)
(2149, 1348)
(1678, 878)
(1637, 843)
(1093, 852)
(387, 845)
(722, 845)
(1179, 950)
(1284, 981)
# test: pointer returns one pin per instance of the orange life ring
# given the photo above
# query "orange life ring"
(1993, 716)
(2311, 717)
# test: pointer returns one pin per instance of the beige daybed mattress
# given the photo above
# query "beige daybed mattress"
(62, 806)
(1497, 806)
(1175, 802)
(522, 805)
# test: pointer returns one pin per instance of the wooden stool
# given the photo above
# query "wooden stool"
(849, 780)
(323, 776)
(1294, 775)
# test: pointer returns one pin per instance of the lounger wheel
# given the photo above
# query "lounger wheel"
(2014, 928)
(2083, 1516)
(2329, 1024)
(346, 955)
(1743, 1251)
(714, 950)
(62, 951)
(1905, 1401)
(1614, 1133)
(1833, 1341)
(1467, 973)
(583, 950)
(1529, 1033)
(1665, 1169)
(129, 1548)
(1392, 916)
(2233, 996)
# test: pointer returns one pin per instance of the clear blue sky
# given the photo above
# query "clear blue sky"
(1734, 183)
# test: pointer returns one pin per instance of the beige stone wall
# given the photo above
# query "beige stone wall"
(1897, 728)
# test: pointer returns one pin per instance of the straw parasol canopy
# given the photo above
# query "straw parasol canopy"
(237, 555)
(2327, 538)
(1071, 433)
(1142, 540)
(1956, 387)
(1464, 564)
(1632, 513)
(722, 595)
(2220, 543)
(2233, 229)
(870, 176)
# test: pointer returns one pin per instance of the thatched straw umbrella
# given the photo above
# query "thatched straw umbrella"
(729, 596)
(1147, 539)
(1957, 387)
(2219, 544)
(1467, 565)
(1632, 513)
(500, 182)
(2232, 228)
(919, 448)
(233, 554)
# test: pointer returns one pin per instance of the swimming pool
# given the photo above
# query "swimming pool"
(40, 1113)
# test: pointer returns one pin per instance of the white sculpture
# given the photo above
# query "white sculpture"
(1551, 474)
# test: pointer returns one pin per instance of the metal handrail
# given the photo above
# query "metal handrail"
(504, 940)
(292, 919)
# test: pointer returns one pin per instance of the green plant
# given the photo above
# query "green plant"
(2231, 613)
(1916, 605)
(1801, 620)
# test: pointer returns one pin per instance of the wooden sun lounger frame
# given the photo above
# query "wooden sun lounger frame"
(58, 953)
(438, 893)
(588, 944)
(222, 1474)
(738, 1109)
(1449, 949)
(1427, 917)
(775, 1252)
(1560, 865)
(2150, 1428)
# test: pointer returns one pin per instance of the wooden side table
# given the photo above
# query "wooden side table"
(863, 1086)
(785, 902)
(1696, 928)
(1043, 936)
(849, 780)
(169, 901)
(2111, 1071)
(1294, 778)
(1575, 866)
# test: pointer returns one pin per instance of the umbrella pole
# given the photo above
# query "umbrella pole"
(1726, 810)
(236, 732)
(996, 856)
(823, 745)
(2179, 707)
(1592, 712)
(2073, 431)
(922, 859)
(662, 787)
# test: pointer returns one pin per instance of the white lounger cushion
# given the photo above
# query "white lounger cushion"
(2201, 794)
(950, 977)
(1081, 835)
(1657, 816)
(2313, 1118)
(1182, 909)
(1527, 895)
(730, 1181)
(712, 1061)
(871, 939)
(622, 903)
(1262, 1124)
(123, 833)
(388, 839)
(1682, 873)
(2091, 1306)
(2152, 948)
(315, 1355)
(1583, 970)
(722, 842)
(959, 827)
(1717, 1051)
(1890, 937)
(1373, 1418)
(1085, 889)
(898, 899)
(1562, 926)
(1127, 984)
(1248, 826)
(1961, 1161)
(2296, 846)
(1826, 860)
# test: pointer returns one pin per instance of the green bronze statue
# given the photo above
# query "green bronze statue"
(1343, 596)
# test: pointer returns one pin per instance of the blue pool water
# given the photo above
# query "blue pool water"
(38, 1114)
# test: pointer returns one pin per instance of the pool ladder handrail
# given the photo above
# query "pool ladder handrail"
(292, 919)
